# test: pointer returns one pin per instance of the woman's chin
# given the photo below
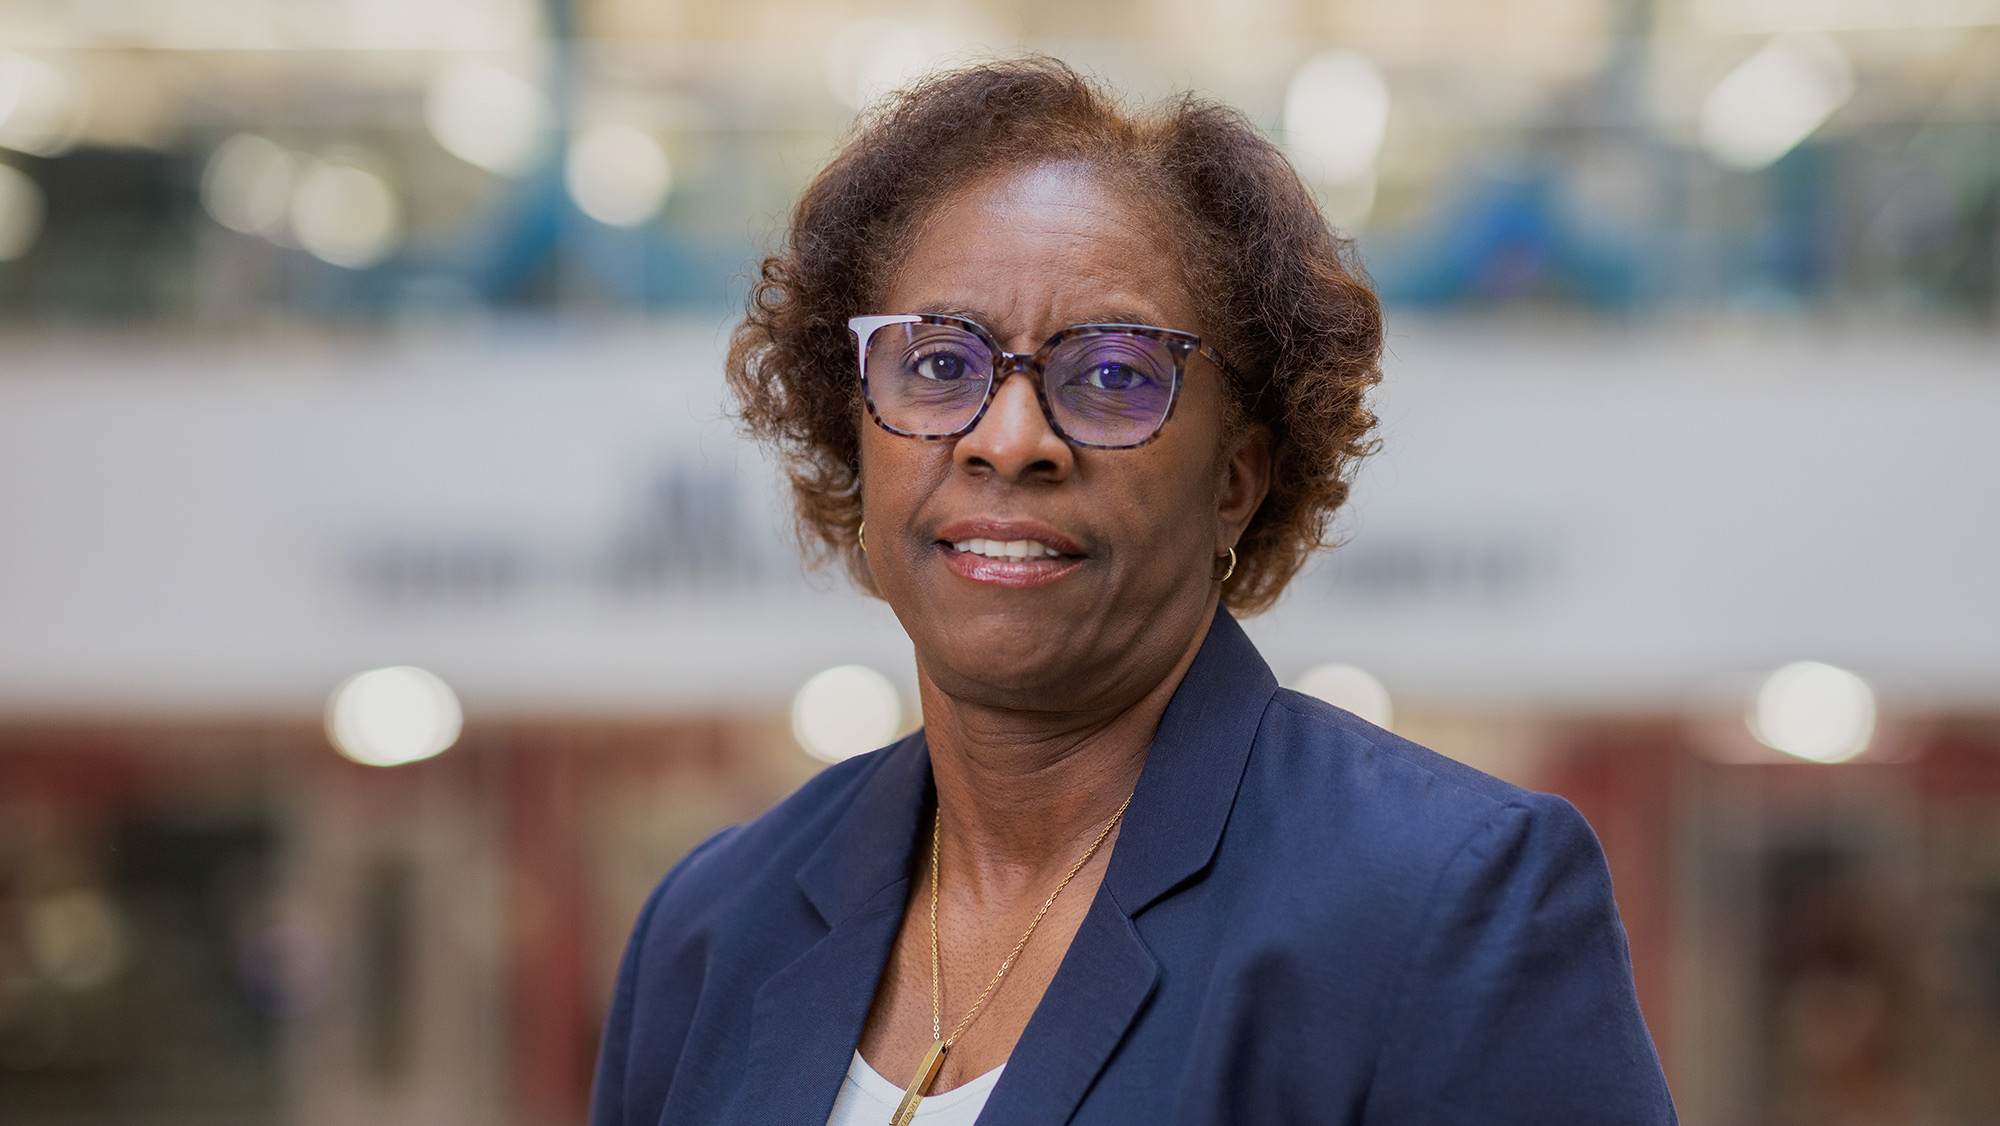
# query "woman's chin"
(1052, 661)
(1007, 662)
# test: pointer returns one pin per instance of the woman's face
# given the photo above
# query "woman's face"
(1136, 530)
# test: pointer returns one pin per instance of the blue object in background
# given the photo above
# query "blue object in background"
(1502, 238)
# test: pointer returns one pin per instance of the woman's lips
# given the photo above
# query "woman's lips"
(999, 532)
(1004, 569)
(1007, 552)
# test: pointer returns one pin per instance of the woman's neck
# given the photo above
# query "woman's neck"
(1021, 793)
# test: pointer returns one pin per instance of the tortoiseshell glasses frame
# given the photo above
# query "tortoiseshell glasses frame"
(1101, 386)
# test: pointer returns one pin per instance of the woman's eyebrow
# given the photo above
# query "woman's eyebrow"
(946, 309)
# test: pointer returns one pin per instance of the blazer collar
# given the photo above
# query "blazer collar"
(1170, 834)
(806, 1019)
(858, 881)
(1192, 772)
(1171, 830)
(871, 845)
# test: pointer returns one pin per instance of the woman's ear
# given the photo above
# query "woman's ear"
(1244, 482)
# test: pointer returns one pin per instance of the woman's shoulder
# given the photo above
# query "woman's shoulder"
(1300, 732)
(1347, 788)
(1316, 727)
(1480, 953)
(770, 848)
(745, 879)
(716, 929)
(1345, 837)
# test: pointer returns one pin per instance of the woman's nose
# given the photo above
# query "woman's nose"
(1014, 441)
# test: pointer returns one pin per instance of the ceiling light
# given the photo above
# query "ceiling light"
(1814, 711)
(392, 716)
(846, 711)
(617, 175)
(42, 109)
(248, 184)
(1777, 98)
(345, 215)
(488, 117)
(871, 58)
(1336, 114)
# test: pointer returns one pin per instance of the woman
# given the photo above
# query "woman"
(1065, 387)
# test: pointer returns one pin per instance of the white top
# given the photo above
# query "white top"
(867, 1099)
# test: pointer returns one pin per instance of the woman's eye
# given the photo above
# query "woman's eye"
(941, 366)
(1113, 377)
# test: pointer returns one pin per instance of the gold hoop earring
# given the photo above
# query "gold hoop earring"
(861, 534)
(1224, 577)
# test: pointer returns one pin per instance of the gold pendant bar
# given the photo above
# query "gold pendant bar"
(926, 1071)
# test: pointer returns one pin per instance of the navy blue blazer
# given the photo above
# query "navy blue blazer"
(1305, 920)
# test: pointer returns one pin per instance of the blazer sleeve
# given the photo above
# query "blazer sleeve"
(1517, 1004)
(610, 1091)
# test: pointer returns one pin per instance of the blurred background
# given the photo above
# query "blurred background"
(360, 400)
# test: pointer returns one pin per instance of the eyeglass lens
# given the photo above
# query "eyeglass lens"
(1105, 388)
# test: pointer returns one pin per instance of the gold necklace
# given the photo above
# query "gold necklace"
(940, 1044)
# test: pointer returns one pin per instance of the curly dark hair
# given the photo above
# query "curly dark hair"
(1285, 297)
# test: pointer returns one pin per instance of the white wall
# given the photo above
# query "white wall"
(564, 520)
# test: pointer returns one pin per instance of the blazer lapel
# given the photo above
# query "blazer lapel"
(1196, 763)
(807, 1018)
(1103, 984)
(1170, 833)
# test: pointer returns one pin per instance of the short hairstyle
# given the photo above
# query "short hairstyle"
(1284, 295)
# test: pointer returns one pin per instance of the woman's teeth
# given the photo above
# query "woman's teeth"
(1006, 549)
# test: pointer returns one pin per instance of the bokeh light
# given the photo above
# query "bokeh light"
(1336, 115)
(345, 215)
(21, 211)
(75, 939)
(1351, 687)
(42, 109)
(248, 184)
(846, 711)
(488, 117)
(392, 716)
(1814, 711)
(1762, 110)
(872, 57)
(617, 175)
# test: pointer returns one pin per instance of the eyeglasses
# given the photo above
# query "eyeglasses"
(1106, 386)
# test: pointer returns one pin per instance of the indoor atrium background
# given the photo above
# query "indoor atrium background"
(383, 336)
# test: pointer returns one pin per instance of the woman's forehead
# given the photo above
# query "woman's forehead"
(1047, 243)
(1065, 200)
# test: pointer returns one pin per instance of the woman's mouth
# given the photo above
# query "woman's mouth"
(1015, 550)
(1017, 563)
